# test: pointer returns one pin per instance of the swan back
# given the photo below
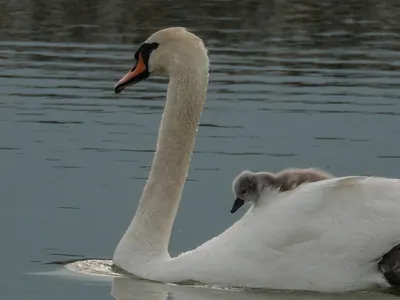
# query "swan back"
(289, 179)
(325, 235)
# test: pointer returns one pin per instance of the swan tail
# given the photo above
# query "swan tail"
(390, 266)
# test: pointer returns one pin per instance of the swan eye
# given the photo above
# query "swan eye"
(243, 192)
(145, 49)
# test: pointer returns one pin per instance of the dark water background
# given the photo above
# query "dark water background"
(293, 83)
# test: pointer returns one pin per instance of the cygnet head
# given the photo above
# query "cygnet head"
(248, 187)
(168, 51)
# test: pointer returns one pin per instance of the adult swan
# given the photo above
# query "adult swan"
(325, 236)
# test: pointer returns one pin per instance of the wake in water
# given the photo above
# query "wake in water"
(99, 267)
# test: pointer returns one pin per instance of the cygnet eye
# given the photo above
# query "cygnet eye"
(243, 192)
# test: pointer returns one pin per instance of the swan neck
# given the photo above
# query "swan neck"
(148, 235)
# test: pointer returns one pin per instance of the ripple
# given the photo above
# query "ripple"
(9, 148)
(248, 153)
(218, 126)
(68, 207)
(117, 150)
(94, 267)
(330, 138)
(49, 122)
(329, 111)
(67, 167)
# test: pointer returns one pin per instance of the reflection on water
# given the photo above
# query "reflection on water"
(293, 83)
(127, 289)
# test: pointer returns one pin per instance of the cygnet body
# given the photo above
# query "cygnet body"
(249, 186)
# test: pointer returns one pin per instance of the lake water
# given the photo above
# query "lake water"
(293, 83)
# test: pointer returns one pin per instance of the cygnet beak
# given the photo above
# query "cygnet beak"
(236, 205)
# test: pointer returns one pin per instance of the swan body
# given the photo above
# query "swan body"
(249, 186)
(322, 236)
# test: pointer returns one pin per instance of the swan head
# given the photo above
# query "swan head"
(248, 187)
(167, 51)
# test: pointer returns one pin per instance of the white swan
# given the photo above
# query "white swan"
(323, 236)
(249, 186)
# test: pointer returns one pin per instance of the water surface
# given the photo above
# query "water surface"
(293, 83)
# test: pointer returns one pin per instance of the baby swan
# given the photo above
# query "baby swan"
(249, 186)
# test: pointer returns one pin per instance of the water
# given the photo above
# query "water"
(299, 83)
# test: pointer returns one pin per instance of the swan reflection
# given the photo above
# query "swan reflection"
(124, 288)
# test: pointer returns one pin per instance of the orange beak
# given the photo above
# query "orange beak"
(138, 73)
